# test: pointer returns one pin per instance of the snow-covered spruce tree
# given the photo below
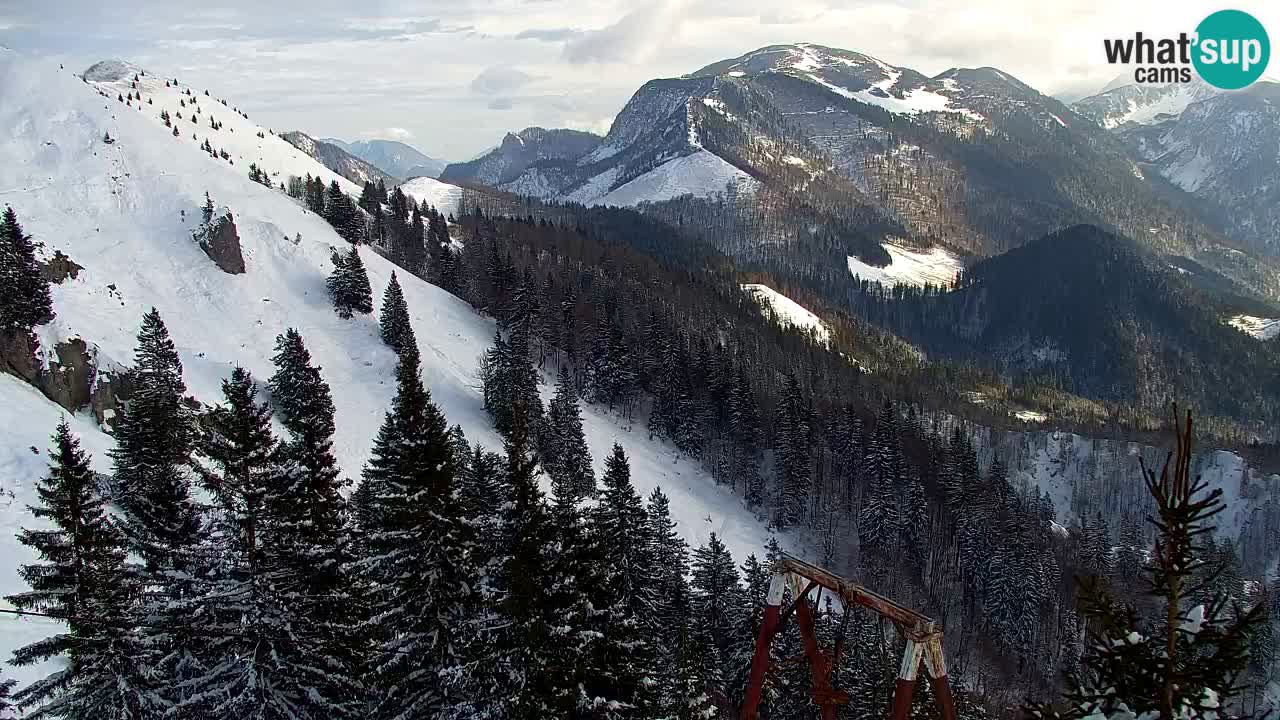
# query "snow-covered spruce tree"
(667, 577)
(718, 605)
(574, 574)
(341, 212)
(622, 670)
(348, 285)
(792, 455)
(312, 544)
(394, 320)
(152, 462)
(529, 675)
(566, 457)
(8, 711)
(744, 432)
(81, 562)
(879, 520)
(24, 292)
(422, 589)
(482, 492)
(247, 627)
(1185, 662)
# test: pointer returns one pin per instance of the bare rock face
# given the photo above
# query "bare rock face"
(109, 393)
(71, 377)
(59, 268)
(69, 380)
(221, 243)
(18, 356)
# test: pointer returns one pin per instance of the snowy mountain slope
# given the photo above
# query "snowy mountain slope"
(124, 211)
(787, 311)
(935, 266)
(238, 136)
(336, 159)
(393, 157)
(1142, 104)
(530, 152)
(442, 196)
(1260, 328)
(702, 174)
(1224, 148)
(939, 161)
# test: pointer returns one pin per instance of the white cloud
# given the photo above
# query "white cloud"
(499, 79)
(635, 37)
(389, 133)
(428, 66)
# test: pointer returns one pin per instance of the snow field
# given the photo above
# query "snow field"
(125, 212)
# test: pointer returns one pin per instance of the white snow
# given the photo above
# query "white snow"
(1172, 102)
(1191, 173)
(442, 196)
(1260, 328)
(1030, 416)
(914, 101)
(787, 311)
(125, 212)
(935, 266)
(238, 136)
(702, 174)
(593, 188)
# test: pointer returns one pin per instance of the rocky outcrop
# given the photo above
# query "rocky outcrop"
(18, 356)
(69, 375)
(59, 268)
(221, 243)
(110, 390)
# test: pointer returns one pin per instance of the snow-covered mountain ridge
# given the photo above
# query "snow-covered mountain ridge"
(124, 211)
(936, 161)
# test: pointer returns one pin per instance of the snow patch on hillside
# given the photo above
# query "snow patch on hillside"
(1172, 102)
(935, 266)
(442, 196)
(788, 312)
(702, 174)
(912, 102)
(125, 212)
(1260, 328)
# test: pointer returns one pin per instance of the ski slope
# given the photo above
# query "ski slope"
(907, 266)
(788, 312)
(125, 212)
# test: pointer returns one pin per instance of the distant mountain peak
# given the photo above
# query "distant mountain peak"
(393, 157)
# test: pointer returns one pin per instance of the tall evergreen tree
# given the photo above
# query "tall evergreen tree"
(620, 532)
(418, 559)
(793, 454)
(566, 457)
(530, 675)
(152, 460)
(24, 291)
(252, 668)
(718, 603)
(342, 213)
(348, 285)
(312, 544)
(394, 324)
(81, 568)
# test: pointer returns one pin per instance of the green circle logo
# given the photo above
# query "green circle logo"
(1232, 49)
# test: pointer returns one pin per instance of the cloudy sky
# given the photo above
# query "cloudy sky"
(452, 76)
